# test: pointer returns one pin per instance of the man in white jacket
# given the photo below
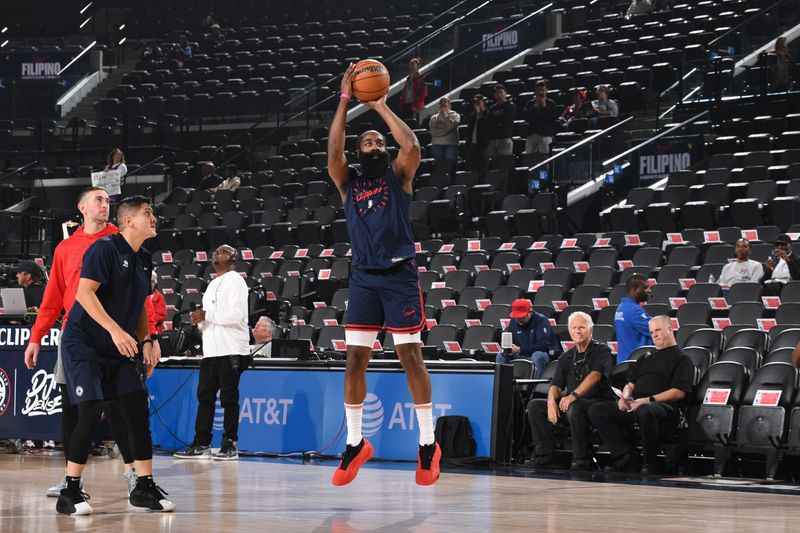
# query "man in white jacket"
(444, 132)
(226, 336)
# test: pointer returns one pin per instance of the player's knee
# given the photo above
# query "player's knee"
(90, 412)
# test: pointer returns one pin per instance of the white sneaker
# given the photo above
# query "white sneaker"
(130, 478)
(55, 490)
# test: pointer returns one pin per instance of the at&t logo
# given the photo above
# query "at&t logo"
(372, 415)
(403, 415)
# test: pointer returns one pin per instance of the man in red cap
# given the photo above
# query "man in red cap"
(532, 337)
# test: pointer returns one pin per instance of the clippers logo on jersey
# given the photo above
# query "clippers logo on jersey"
(5, 391)
(370, 195)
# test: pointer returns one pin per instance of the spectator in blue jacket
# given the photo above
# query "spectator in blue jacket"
(532, 337)
(631, 320)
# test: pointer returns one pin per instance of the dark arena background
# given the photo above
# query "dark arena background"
(579, 155)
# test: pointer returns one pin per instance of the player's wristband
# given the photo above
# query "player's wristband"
(345, 96)
(148, 339)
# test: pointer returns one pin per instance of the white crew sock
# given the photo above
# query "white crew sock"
(425, 423)
(353, 414)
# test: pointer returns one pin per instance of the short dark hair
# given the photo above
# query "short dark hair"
(231, 167)
(88, 190)
(543, 82)
(131, 203)
(361, 138)
(500, 86)
(634, 281)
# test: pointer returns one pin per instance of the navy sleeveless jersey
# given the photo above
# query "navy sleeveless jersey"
(378, 220)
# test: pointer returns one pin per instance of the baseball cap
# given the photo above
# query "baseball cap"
(520, 308)
(30, 267)
(783, 239)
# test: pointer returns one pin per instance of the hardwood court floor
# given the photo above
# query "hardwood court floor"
(287, 496)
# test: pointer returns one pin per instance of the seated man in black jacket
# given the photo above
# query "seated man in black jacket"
(657, 383)
(581, 379)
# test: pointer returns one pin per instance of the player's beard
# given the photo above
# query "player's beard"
(373, 164)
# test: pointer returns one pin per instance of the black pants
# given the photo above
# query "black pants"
(135, 423)
(217, 375)
(478, 160)
(652, 418)
(69, 421)
(577, 416)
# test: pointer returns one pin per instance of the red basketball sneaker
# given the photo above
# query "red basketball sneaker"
(428, 464)
(353, 458)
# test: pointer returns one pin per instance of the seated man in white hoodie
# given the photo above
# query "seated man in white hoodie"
(743, 270)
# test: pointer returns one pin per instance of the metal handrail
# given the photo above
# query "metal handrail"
(579, 144)
(17, 170)
(651, 139)
(735, 28)
(677, 83)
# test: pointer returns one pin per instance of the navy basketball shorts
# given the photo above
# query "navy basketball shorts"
(390, 297)
(92, 375)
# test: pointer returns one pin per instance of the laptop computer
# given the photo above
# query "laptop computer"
(14, 301)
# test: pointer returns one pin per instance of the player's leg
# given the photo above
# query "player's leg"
(364, 321)
(228, 377)
(147, 495)
(84, 379)
(121, 435)
(69, 419)
(207, 387)
(405, 318)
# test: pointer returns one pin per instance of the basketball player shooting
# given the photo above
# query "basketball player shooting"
(384, 279)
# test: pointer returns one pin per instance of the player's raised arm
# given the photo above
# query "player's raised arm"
(338, 169)
(407, 161)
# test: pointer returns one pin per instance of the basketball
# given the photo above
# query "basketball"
(370, 80)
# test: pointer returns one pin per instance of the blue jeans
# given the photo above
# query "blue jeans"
(444, 151)
(539, 360)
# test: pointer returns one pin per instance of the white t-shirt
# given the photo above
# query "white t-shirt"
(225, 329)
(781, 272)
(746, 272)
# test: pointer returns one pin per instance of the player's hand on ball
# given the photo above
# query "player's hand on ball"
(376, 104)
(347, 79)
(126, 344)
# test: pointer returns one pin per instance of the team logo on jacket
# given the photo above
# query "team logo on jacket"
(370, 196)
(5, 391)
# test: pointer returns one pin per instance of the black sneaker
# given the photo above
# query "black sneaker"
(195, 451)
(73, 502)
(628, 462)
(542, 461)
(582, 465)
(150, 497)
(227, 452)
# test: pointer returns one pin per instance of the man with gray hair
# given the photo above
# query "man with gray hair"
(658, 381)
(580, 380)
(263, 333)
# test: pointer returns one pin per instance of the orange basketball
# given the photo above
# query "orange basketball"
(370, 80)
